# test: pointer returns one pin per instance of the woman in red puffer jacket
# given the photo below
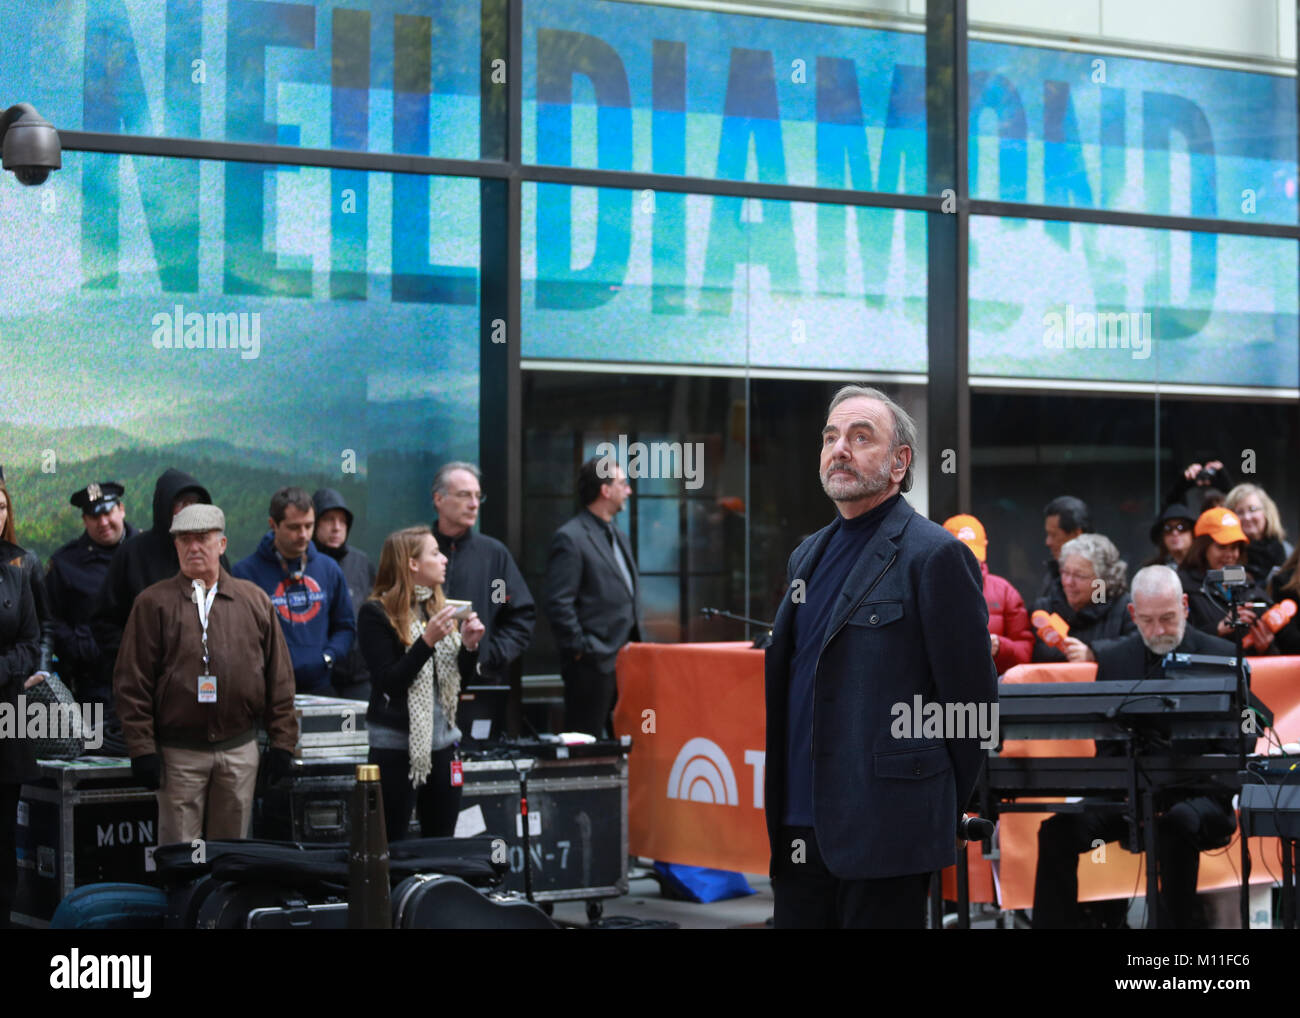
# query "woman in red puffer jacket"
(1011, 640)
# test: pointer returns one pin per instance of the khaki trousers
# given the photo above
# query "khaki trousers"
(221, 781)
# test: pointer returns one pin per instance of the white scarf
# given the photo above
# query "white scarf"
(419, 700)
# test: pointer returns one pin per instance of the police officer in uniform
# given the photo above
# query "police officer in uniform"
(75, 575)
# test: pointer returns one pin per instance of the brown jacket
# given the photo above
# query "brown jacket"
(155, 683)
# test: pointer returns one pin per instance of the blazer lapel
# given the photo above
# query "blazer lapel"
(870, 566)
(784, 620)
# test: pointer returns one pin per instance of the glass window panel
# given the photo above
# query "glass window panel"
(659, 535)
(1058, 127)
(377, 76)
(699, 279)
(1120, 304)
(213, 316)
(618, 86)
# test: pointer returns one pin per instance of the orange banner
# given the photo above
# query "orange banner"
(695, 776)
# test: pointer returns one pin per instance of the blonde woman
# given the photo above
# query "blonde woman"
(417, 654)
(1262, 524)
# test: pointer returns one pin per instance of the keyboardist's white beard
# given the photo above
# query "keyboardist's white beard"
(1164, 644)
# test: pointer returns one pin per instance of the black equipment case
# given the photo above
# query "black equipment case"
(82, 821)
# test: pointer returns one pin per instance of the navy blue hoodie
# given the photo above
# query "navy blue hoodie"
(315, 613)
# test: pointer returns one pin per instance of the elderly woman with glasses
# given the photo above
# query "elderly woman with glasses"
(1262, 524)
(1092, 598)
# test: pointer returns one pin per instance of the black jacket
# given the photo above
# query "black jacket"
(147, 558)
(72, 585)
(477, 565)
(27, 561)
(1127, 660)
(588, 604)
(911, 623)
(1206, 609)
(1093, 622)
(1262, 557)
(394, 667)
(350, 675)
(19, 654)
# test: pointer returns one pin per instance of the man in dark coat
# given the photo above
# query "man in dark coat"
(592, 597)
(482, 570)
(19, 653)
(140, 562)
(350, 677)
(76, 573)
(881, 693)
(1188, 823)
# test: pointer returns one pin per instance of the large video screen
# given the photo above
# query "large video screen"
(377, 75)
(256, 326)
(1114, 303)
(642, 276)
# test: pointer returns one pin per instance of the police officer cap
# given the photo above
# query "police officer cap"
(97, 499)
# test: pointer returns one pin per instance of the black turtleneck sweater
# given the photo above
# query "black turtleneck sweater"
(826, 581)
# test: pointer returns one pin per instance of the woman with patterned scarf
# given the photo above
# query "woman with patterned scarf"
(417, 654)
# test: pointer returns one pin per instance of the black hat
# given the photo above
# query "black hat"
(326, 499)
(97, 499)
(1173, 511)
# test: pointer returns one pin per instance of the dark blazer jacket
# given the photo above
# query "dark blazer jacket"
(910, 620)
(589, 607)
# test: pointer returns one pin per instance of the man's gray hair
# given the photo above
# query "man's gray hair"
(904, 426)
(1154, 581)
(444, 471)
(1106, 563)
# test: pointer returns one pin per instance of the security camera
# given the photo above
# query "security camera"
(31, 144)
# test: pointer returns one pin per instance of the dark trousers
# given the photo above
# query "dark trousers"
(436, 802)
(8, 849)
(1183, 831)
(809, 897)
(589, 696)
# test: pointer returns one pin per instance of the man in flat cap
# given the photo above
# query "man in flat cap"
(76, 573)
(202, 662)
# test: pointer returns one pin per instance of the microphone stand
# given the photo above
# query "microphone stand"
(761, 642)
(1243, 701)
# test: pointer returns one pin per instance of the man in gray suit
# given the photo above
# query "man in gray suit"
(591, 596)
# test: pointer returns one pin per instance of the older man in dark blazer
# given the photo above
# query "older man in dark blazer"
(591, 596)
(884, 618)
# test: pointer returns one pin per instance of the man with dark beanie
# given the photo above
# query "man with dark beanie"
(350, 677)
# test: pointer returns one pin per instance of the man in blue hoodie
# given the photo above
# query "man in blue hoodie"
(307, 588)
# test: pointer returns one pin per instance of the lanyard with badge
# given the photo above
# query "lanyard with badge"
(207, 682)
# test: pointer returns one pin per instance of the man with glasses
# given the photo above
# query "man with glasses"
(481, 569)
(591, 596)
(308, 590)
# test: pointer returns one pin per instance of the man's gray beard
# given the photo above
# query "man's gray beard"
(1165, 644)
(861, 488)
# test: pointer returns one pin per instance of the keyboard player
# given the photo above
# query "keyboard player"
(1187, 824)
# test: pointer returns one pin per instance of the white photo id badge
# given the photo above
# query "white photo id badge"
(207, 689)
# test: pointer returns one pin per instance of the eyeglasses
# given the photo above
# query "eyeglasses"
(1081, 577)
(470, 496)
(1177, 527)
